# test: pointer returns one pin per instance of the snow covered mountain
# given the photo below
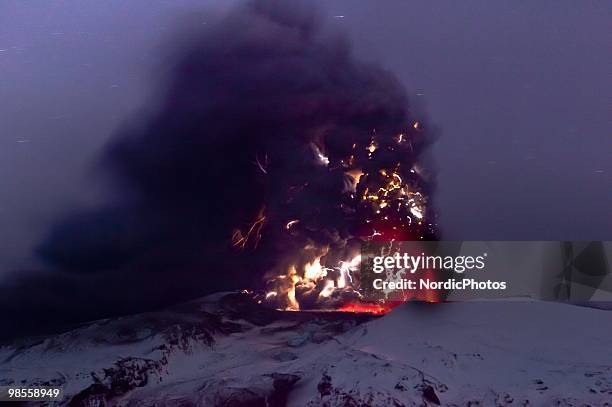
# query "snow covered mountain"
(226, 350)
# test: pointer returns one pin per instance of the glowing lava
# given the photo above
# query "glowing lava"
(383, 198)
(376, 309)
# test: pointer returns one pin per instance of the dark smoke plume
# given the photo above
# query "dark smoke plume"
(254, 128)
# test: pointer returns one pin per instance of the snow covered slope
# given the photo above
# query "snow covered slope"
(226, 350)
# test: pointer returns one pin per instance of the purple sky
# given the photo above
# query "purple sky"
(520, 94)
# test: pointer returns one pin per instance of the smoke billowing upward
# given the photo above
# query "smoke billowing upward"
(268, 139)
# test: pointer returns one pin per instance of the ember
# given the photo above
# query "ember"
(383, 199)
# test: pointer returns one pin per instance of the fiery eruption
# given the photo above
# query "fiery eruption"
(271, 155)
(382, 198)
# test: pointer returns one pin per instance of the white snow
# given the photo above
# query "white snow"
(493, 352)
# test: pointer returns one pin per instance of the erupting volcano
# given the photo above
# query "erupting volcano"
(381, 197)
(271, 156)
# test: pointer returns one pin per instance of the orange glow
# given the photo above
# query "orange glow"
(240, 240)
(375, 309)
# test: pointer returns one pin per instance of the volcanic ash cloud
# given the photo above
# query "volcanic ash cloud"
(270, 147)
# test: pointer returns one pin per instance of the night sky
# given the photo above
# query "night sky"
(518, 92)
